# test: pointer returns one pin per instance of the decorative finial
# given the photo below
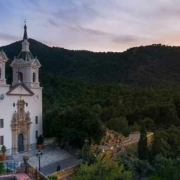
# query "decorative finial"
(25, 37)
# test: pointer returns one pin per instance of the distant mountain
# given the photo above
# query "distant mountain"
(143, 66)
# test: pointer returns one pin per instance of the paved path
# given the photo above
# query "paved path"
(51, 168)
(132, 138)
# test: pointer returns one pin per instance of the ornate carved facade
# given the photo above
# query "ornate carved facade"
(20, 126)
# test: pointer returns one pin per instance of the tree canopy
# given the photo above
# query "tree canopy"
(107, 170)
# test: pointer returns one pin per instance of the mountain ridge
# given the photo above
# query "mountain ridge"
(151, 65)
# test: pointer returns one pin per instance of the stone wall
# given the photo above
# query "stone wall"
(65, 174)
(150, 138)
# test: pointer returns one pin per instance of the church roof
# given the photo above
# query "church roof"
(3, 56)
(19, 62)
(25, 55)
(20, 89)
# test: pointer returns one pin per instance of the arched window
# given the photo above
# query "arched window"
(34, 77)
(0, 73)
(21, 76)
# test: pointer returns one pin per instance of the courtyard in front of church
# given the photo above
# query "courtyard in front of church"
(50, 158)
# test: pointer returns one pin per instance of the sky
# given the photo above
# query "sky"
(95, 25)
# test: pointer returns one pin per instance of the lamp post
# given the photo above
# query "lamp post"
(39, 154)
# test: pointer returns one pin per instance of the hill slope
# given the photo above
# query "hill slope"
(144, 66)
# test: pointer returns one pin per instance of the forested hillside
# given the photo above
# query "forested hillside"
(154, 65)
(103, 82)
(113, 103)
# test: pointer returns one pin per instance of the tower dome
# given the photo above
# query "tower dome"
(25, 53)
(25, 66)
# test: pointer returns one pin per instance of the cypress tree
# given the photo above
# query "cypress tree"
(142, 145)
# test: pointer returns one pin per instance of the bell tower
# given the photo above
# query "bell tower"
(3, 60)
(25, 66)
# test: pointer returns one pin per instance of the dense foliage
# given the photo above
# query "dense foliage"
(114, 103)
(75, 126)
(160, 168)
(110, 169)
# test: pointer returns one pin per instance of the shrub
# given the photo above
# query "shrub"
(40, 140)
(3, 149)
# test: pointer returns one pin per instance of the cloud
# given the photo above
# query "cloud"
(91, 31)
(114, 36)
(125, 39)
(8, 37)
(52, 22)
(84, 30)
(78, 12)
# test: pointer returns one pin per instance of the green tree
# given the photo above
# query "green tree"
(139, 168)
(149, 124)
(135, 127)
(166, 168)
(52, 177)
(142, 145)
(109, 169)
(119, 124)
(160, 144)
(174, 141)
(86, 155)
(107, 113)
(1, 168)
(85, 122)
(96, 108)
(76, 125)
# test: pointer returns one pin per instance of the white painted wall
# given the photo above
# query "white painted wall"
(7, 110)
(27, 72)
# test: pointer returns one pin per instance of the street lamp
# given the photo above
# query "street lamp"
(39, 154)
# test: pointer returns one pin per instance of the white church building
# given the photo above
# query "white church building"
(20, 102)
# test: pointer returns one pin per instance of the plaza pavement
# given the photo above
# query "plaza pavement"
(49, 160)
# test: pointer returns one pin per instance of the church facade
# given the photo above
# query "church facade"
(20, 102)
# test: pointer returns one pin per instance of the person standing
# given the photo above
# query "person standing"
(58, 167)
